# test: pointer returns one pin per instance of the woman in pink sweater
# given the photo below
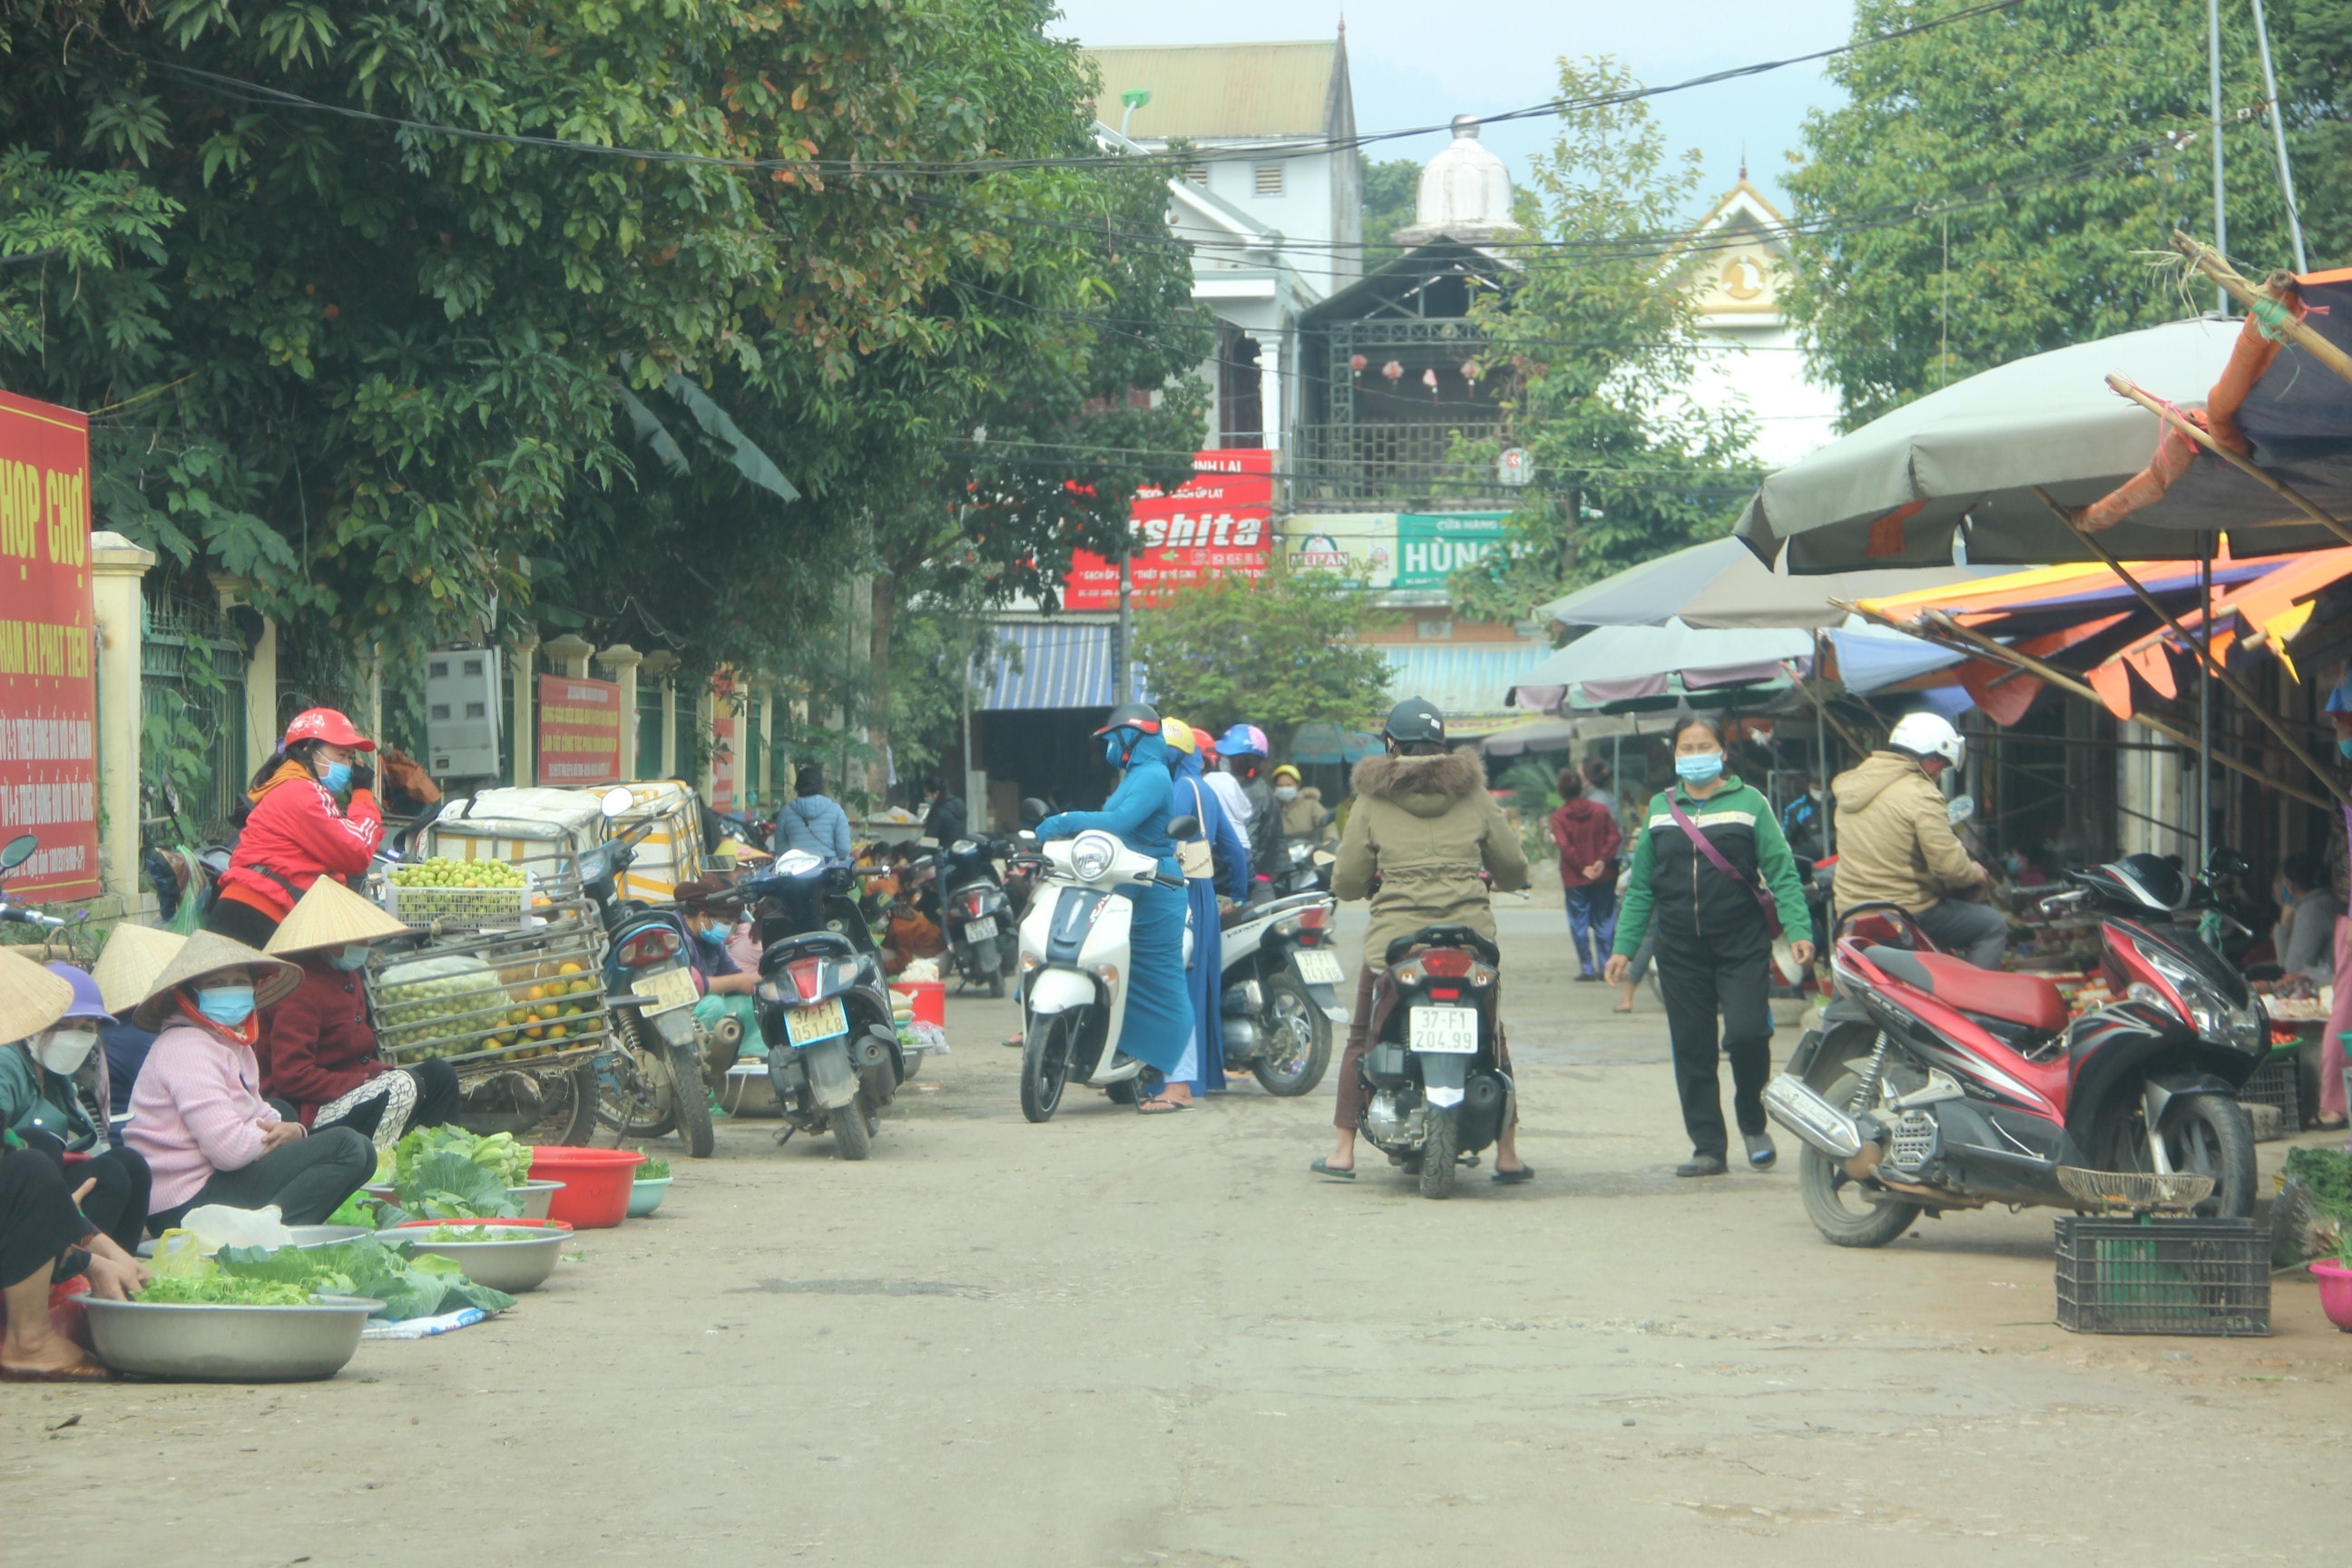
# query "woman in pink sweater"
(198, 1113)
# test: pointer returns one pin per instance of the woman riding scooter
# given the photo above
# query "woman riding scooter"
(1158, 1030)
(1422, 829)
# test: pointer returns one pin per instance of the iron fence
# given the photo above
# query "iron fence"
(191, 760)
(1350, 467)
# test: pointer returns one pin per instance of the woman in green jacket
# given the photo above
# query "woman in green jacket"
(1713, 948)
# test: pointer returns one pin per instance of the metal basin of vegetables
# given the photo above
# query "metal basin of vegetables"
(228, 1344)
(305, 1235)
(519, 1259)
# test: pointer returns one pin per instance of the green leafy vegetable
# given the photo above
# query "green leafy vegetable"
(2326, 1176)
(654, 1171)
(446, 1185)
(459, 1233)
(500, 1155)
(221, 1290)
(409, 1286)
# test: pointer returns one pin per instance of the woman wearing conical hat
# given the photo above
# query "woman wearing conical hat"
(40, 1103)
(134, 955)
(197, 1113)
(318, 1050)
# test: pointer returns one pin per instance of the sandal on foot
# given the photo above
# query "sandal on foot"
(1512, 1178)
(1157, 1107)
(1337, 1172)
(88, 1371)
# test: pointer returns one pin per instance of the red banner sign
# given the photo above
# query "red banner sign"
(580, 728)
(726, 740)
(48, 688)
(1219, 523)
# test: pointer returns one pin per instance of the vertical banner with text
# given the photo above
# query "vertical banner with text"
(580, 729)
(726, 740)
(48, 688)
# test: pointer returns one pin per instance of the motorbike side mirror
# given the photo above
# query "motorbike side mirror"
(1962, 808)
(615, 802)
(1183, 827)
(1033, 811)
(2222, 862)
(18, 851)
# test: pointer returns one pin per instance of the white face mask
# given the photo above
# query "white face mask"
(63, 1051)
(1286, 793)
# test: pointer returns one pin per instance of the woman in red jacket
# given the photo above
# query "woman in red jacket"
(318, 1052)
(1586, 833)
(296, 828)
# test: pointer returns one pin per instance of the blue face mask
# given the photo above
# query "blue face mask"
(228, 1005)
(1699, 767)
(338, 777)
(1113, 752)
(716, 931)
(350, 958)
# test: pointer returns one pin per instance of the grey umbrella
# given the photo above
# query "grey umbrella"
(1721, 584)
(1894, 493)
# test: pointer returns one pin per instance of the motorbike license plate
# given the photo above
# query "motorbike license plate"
(1317, 968)
(1446, 1031)
(670, 988)
(807, 1025)
(982, 930)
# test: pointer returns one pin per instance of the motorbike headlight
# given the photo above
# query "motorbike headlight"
(2214, 1015)
(1091, 854)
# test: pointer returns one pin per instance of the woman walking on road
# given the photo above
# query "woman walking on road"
(1586, 834)
(1708, 852)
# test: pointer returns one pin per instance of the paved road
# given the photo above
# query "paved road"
(1114, 1340)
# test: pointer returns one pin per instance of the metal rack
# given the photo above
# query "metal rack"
(495, 1022)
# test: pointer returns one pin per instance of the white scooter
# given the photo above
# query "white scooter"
(1074, 966)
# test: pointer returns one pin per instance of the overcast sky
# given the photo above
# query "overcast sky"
(1421, 64)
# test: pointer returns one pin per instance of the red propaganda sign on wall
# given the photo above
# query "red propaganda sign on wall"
(580, 728)
(726, 742)
(48, 689)
(1217, 524)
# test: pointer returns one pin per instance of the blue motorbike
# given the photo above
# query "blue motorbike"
(652, 1080)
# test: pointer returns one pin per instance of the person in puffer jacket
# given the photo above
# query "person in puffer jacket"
(298, 826)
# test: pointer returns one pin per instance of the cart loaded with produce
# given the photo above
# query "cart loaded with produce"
(503, 977)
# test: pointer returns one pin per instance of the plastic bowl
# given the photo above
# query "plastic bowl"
(596, 1183)
(646, 1195)
(519, 1259)
(228, 1344)
(2335, 1291)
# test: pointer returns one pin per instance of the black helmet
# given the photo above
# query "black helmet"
(1137, 716)
(1415, 719)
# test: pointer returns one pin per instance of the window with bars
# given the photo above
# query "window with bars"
(1269, 179)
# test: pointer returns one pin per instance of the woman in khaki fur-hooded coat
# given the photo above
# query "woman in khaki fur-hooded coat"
(1422, 826)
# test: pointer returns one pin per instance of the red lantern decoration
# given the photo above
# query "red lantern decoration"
(1357, 363)
(1429, 380)
(1394, 371)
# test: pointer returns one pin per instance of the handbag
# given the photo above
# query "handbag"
(1194, 854)
(1715, 858)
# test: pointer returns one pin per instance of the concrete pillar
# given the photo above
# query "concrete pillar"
(706, 725)
(620, 662)
(1269, 391)
(663, 666)
(116, 567)
(526, 686)
(569, 653)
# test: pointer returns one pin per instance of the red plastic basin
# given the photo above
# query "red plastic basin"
(929, 998)
(595, 1191)
(2335, 1291)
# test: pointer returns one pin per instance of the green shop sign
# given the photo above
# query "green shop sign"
(1433, 546)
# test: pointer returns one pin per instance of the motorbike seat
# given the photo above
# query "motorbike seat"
(2027, 999)
(1238, 915)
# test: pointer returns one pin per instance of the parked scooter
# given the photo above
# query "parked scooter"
(1074, 964)
(73, 934)
(983, 940)
(1435, 1089)
(1304, 868)
(1281, 992)
(824, 1006)
(1935, 1084)
(655, 1081)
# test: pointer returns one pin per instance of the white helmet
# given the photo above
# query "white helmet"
(1927, 735)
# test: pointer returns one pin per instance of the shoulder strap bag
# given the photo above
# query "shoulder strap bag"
(1194, 854)
(1715, 858)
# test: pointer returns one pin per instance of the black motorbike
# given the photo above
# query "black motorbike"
(1305, 868)
(824, 1006)
(1435, 1090)
(654, 1083)
(982, 931)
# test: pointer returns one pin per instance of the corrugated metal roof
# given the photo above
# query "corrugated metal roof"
(1064, 664)
(1204, 90)
(1466, 680)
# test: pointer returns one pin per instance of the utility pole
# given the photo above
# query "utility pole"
(1125, 690)
(2213, 84)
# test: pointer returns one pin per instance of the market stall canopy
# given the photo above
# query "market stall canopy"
(1650, 664)
(1535, 735)
(1896, 491)
(1721, 584)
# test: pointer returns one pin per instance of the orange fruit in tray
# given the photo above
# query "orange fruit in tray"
(568, 967)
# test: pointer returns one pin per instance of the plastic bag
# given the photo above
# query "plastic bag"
(217, 1225)
(447, 1005)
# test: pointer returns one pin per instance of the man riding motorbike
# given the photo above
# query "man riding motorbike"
(1157, 1029)
(1243, 747)
(1895, 842)
(1423, 830)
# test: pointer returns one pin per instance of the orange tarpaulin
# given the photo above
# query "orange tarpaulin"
(2268, 611)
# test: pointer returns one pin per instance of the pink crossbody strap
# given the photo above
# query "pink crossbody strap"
(1715, 858)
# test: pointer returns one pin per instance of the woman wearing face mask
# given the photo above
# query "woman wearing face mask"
(1708, 852)
(38, 1103)
(709, 906)
(298, 828)
(1303, 816)
(198, 1114)
(318, 1050)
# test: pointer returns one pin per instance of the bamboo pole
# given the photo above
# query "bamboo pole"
(1964, 639)
(2187, 427)
(2218, 667)
(2207, 260)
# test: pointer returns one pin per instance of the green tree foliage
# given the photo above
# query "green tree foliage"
(1392, 196)
(1278, 652)
(1599, 343)
(1993, 188)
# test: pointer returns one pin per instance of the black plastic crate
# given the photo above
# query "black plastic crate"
(2278, 1081)
(2163, 1276)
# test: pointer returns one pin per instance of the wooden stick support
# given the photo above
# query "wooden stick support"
(2208, 261)
(2187, 427)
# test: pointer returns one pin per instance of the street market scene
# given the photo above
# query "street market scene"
(967, 783)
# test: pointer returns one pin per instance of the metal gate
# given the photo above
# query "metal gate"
(191, 762)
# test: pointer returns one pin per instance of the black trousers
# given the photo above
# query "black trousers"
(240, 921)
(438, 1098)
(37, 1218)
(117, 1204)
(308, 1180)
(1698, 982)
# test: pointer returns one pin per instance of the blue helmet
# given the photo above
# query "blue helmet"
(1242, 740)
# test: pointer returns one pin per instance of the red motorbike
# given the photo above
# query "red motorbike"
(1935, 1084)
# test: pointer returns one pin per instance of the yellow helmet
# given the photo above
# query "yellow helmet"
(1178, 735)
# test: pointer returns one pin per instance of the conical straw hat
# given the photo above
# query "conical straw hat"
(31, 998)
(273, 978)
(134, 955)
(332, 915)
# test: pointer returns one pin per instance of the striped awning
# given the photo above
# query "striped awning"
(1466, 680)
(1053, 664)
